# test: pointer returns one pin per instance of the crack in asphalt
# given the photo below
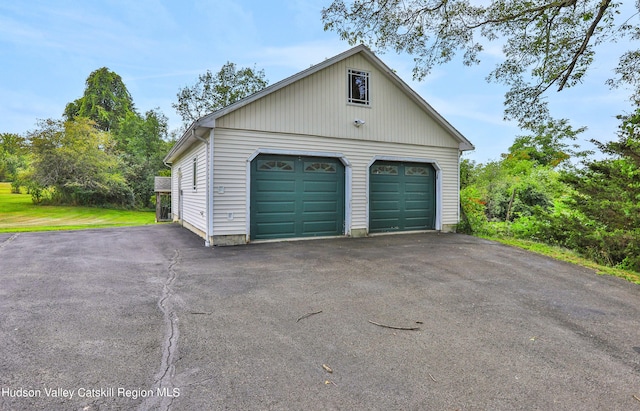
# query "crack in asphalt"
(8, 240)
(163, 385)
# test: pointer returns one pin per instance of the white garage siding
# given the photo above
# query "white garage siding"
(194, 200)
(317, 105)
(310, 113)
(234, 147)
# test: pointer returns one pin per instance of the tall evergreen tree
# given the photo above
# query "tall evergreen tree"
(608, 194)
(106, 100)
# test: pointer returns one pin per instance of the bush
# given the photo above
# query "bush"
(474, 220)
(15, 187)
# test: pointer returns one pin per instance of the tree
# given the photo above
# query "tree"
(548, 145)
(513, 194)
(215, 91)
(142, 143)
(139, 141)
(106, 100)
(77, 161)
(13, 155)
(549, 43)
(608, 195)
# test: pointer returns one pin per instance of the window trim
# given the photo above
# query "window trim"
(280, 165)
(358, 102)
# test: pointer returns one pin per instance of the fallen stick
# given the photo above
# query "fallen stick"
(434, 380)
(308, 315)
(636, 397)
(395, 328)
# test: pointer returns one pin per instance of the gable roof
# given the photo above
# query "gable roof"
(208, 121)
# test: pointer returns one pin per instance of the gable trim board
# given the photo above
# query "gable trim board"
(307, 115)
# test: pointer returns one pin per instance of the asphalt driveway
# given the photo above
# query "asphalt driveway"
(147, 318)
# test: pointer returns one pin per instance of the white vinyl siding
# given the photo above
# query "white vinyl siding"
(317, 105)
(311, 113)
(193, 186)
(234, 147)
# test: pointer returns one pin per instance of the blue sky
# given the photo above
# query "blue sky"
(49, 47)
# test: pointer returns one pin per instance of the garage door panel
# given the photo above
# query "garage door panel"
(401, 196)
(274, 218)
(320, 206)
(295, 196)
(416, 187)
(275, 229)
(385, 187)
(275, 186)
(320, 227)
(386, 223)
(320, 187)
(386, 205)
(419, 205)
(276, 206)
(413, 214)
(414, 225)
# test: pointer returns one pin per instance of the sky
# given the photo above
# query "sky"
(48, 49)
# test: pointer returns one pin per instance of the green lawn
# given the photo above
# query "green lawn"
(19, 214)
(569, 256)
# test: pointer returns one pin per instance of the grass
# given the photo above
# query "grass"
(564, 254)
(19, 214)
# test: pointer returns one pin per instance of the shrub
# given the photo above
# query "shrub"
(474, 220)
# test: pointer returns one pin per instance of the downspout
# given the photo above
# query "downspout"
(207, 243)
(170, 167)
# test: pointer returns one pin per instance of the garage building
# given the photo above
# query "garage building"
(344, 148)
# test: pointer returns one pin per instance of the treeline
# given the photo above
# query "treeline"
(103, 152)
(545, 190)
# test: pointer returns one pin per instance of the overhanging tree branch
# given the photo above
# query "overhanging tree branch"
(583, 47)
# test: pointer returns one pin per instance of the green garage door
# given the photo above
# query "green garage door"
(295, 196)
(402, 196)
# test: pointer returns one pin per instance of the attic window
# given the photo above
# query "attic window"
(358, 83)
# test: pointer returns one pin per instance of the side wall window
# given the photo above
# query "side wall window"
(195, 173)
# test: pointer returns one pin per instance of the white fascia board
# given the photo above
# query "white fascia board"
(187, 139)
